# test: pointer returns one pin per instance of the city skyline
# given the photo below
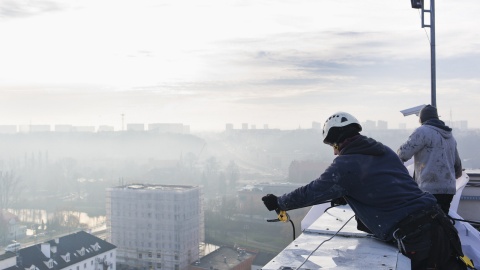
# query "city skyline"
(285, 63)
(185, 128)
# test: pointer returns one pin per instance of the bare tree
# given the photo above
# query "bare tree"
(233, 174)
(3, 228)
(210, 175)
(9, 189)
(72, 221)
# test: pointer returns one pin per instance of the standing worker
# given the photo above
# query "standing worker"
(384, 197)
(437, 164)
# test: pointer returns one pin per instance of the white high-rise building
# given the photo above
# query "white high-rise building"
(156, 226)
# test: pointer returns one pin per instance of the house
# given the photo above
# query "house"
(76, 251)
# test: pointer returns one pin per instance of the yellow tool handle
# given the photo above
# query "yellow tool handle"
(283, 216)
(467, 261)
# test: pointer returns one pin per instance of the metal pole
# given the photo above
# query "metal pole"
(432, 52)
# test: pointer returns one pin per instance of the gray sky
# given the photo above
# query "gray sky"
(206, 63)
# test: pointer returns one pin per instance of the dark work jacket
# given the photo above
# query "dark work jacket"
(373, 180)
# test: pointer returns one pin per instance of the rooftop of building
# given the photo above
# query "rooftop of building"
(332, 241)
(224, 258)
(6, 255)
(262, 258)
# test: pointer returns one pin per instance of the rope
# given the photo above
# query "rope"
(311, 253)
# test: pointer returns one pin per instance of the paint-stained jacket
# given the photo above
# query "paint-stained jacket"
(437, 164)
(374, 182)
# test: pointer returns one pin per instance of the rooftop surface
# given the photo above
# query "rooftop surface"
(325, 244)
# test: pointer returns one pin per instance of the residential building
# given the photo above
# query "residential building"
(105, 128)
(317, 125)
(382, 124)
(155, 226)
(64, 128)
(84, 128)
(457, 124)
(169, 128)
(369, 125)
(76, 251)
(226, 258)
(135, 127)
(277, 188)
(39, 128)
(8, 129)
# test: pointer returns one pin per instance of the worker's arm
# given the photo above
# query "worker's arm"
(325, 188)
(414, 144)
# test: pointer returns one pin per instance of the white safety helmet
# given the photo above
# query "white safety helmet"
(338, 120)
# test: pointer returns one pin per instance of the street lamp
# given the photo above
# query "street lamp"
(414, 110)
(419, 4)
(416, 3)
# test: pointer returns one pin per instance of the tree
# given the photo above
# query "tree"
(190, 160)
(233, 174)
(72, 221)
(3, 228)
(9, 189)
(210, 174)
(55, 221)
(222, 183)
(211, 167)
(228, 207)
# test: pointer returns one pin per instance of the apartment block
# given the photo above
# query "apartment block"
(155, 226)
(169, 128)
(382, 124)
(105, 128)
(8, 129)
(135, 127)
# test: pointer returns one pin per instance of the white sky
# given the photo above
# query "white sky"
(206, 63)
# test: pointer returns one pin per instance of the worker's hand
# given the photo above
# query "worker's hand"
(338, 201)
(270, 202)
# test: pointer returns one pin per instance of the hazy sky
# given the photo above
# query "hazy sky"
(206, 63)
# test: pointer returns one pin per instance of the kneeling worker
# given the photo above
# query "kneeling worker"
(384, 197)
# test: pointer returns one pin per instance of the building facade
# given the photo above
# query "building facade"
(155, 226)
(169, 128)
(136, 127)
